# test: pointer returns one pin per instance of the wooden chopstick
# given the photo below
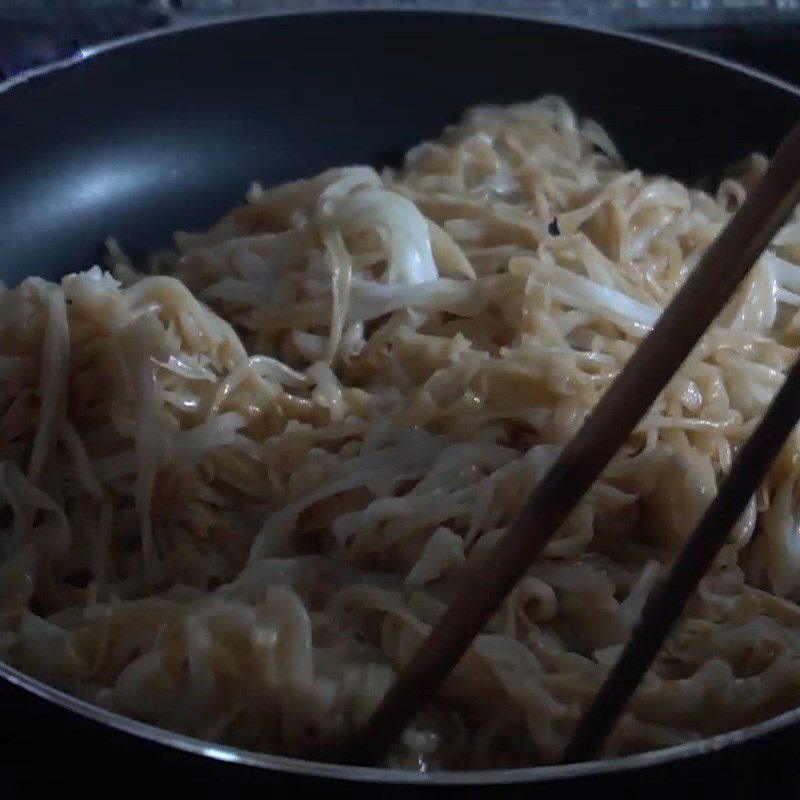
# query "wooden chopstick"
(666, 603)
(646, 373)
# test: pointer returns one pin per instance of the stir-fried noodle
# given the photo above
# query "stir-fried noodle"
(242, 484)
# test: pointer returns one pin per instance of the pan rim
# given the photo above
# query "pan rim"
(379, 775)
(465, 8)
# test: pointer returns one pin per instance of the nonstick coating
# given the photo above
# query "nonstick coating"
(166, 132)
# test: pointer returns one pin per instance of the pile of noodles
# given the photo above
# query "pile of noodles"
(241, 486)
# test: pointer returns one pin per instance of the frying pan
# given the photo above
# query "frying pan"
(165, 131)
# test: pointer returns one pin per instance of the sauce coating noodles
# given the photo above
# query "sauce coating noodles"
(242, 483)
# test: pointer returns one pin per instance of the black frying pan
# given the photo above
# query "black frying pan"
(166, 132)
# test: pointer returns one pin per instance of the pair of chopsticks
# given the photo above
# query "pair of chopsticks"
(683, 322)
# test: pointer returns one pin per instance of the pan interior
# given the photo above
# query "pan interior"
(166, 133)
